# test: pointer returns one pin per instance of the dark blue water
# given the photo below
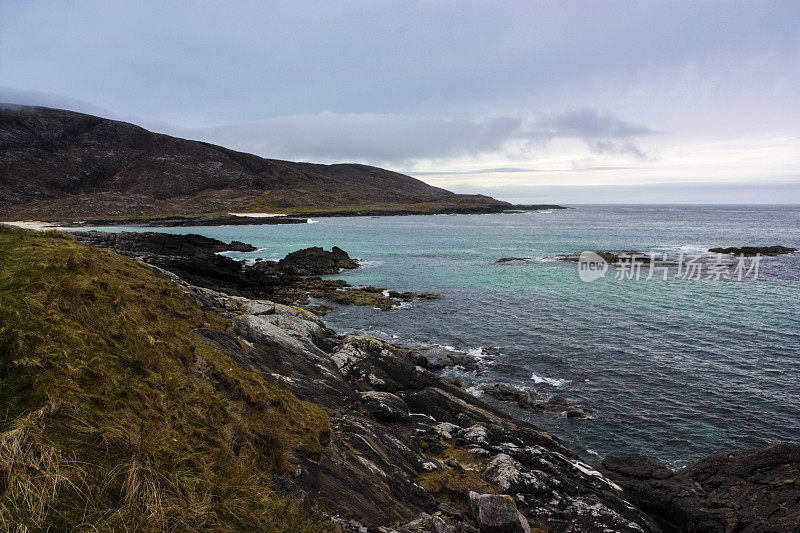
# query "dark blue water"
(676, 369)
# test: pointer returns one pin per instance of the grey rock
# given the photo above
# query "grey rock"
(385, 406)
(496, 513)
(511, 476)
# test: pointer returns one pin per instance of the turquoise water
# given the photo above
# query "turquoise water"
(676, 369)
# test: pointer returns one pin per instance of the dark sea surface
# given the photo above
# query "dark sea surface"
(676, 369)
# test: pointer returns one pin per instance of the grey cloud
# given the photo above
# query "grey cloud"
(398, 139)
(377, 138)
(506, 170)
(362, 137)
(618, 148)
(588, 123)
(670, 193)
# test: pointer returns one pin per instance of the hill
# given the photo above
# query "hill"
(117, 415)
(62, 164)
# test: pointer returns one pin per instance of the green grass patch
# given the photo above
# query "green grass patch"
(115, 415)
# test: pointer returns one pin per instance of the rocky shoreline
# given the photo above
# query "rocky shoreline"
(411, 451)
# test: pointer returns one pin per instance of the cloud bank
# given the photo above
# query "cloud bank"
(678, 92)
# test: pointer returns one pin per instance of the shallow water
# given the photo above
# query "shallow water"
(676, 369)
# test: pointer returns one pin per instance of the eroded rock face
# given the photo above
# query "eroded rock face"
(753, 490)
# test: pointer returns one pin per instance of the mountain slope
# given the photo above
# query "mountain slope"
(56, 163)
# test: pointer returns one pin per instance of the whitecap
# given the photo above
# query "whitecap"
(686, 249)
(555, 382)
(365, 263)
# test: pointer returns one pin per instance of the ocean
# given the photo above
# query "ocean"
(676, 368)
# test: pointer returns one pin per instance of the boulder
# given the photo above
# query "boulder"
(496, 513)
(385, 406)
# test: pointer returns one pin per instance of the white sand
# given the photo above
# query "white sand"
(32, 224)
(258, 215)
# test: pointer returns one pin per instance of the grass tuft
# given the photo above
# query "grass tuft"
(115, 415)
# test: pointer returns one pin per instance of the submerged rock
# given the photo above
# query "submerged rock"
(510, 259)
(749, 251)
(533, 401)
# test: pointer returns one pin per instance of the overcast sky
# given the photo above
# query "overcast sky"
(561, 102)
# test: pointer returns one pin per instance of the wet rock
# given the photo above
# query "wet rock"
(524, 398)
(510, 259)
(611, 258)
(496, 513)
(385, 406)
(533, 401)
(750, 251)
(637, 466)
(461, 359)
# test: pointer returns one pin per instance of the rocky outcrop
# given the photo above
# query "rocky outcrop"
(750, 251)
(315, 261)
(406, 445)
(195, 259)
(127, 243)
(753, 490)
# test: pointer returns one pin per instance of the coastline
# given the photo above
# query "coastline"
(258, 219)
(449, 415)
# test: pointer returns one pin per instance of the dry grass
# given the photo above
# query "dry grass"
(113, 415)
(451, 481)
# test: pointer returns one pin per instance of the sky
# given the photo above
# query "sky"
(530, 102)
